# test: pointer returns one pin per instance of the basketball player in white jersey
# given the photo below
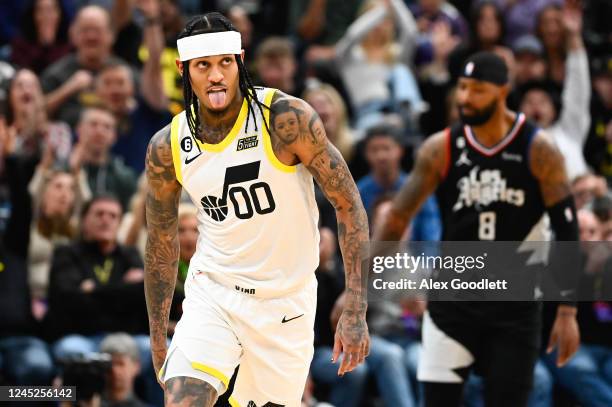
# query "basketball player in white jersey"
(247, 157)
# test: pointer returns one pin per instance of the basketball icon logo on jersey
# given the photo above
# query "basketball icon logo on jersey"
(258, 198)
(485, 187)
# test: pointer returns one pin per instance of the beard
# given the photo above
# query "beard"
(480, 117)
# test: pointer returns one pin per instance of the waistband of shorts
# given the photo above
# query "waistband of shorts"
(310, 281)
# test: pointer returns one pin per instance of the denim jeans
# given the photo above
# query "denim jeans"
(587, 375)
(73, 345)
(386, 363)
(345, 390)
(541, 395)
(26, 360)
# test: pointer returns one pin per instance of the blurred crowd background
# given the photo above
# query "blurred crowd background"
(84, 84)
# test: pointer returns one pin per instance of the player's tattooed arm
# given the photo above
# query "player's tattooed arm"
(429, 168)
(548, 166)
(298, 132)
(162, 250)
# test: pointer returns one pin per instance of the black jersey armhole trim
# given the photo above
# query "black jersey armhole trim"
(530, 136)
(448, 149)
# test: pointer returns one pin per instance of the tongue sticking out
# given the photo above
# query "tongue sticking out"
(217, 99)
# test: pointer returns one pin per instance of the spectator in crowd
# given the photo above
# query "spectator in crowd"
(588, 374)
(24, 359)
(597, 30)
(330, 107)
(487, 31)
(396, 315)
(276, 65)
(103, 277)
(430, 14)
(598, 148)
(587, 187)
(435, 80)
(97, 132)
(383, 150)
(138, 114)
(44, 36)
(68, 82)
(133, 229)
(520, 16)
(54, 196)
(125, 366)
(96, 287)
(386, 363)
(57, 196)
(568, 124)
(241, 20)
(188, 238)
(319, 24)
(541, 394)
(529, 60)
(344, 390)
(374, 65)
(552, 32)
(172, 23)
(28, 121)
(140, 110)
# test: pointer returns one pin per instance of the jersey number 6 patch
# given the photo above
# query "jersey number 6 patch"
(246, 202)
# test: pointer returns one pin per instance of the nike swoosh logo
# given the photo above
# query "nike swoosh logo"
(290, 319)
(188, 160)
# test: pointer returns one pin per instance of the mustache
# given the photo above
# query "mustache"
(217, 86)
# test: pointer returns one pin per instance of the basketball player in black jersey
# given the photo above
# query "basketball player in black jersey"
(493, 149)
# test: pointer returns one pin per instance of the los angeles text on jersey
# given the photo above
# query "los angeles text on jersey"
(431, 284)
(483, 187)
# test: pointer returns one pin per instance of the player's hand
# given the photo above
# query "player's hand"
(352, 340)
(572, 17)
(564, 334)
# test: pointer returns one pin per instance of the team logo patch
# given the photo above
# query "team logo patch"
(463, 159)
(187, 144)
(247, 142)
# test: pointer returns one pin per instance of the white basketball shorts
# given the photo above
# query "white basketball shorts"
(271, 340)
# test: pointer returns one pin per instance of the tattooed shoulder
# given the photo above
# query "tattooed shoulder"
(158, 162)
(292, 123)
(548, 167)
(432, 157)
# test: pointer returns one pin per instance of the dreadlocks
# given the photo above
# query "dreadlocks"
(211, 23)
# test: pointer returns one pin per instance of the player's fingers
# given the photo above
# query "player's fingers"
(337, 348)
(362, 353)
(367, 351)
(346, 356)
(353, 359)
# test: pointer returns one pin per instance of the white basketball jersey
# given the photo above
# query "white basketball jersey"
(257, 216)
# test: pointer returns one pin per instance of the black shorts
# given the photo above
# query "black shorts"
(488, 336)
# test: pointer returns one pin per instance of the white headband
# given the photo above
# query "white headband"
(204, 45)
